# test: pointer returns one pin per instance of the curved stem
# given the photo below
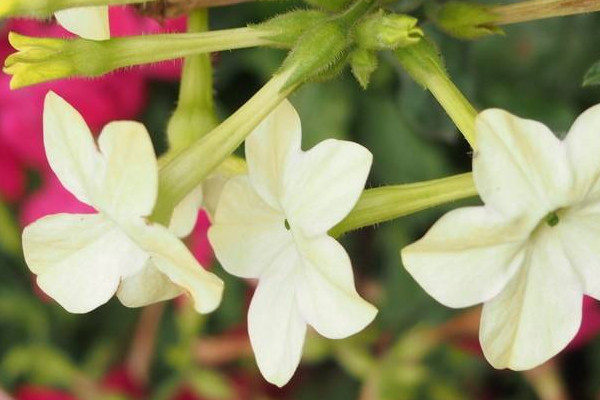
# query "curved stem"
(541, 9)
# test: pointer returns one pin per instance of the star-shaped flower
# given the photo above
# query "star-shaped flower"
(87, 22)
(83, 260)
(533, 250)
(272, 225)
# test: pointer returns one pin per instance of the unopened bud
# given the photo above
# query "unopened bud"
(382, 31)
(465, 20)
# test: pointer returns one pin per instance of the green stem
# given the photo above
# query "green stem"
(195, 113)
(423, 63)
(10, 237)
(183, 171)
(391, 202)
(541, 9)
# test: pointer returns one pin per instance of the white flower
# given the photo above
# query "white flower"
(272, 225)
(83, 260)
(532, 251)
(88, 22)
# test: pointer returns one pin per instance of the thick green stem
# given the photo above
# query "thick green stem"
(185, 170)
(391, 202)
(541, 9)
(424, 64)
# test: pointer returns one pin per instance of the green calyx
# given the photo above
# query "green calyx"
(465, 20)
(385, 31)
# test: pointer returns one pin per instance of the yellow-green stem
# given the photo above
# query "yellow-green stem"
(423, 63)
(391, 202)
(185, 170)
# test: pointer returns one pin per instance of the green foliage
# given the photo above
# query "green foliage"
(592, 76)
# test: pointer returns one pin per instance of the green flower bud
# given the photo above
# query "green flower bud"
(465, 20)
(363, 63)
(382, 31)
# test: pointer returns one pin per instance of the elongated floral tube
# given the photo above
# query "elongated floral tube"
(40, 60)
(185, 170)
(391, 202)
(542, 9)
(423, 63)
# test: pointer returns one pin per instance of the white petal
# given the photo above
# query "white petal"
(271, 148)
(247, 234)
(325, 185)
(580, 232)
(520, 166)
(583, 147)
(87, 22)
(171, 257)
(130, 181)
(146, 287)
(185, 214)
(275, 326)
(326, 294)
(79, 259)
(212, 188)
(538, 313)
(70, 148)
(468, 256)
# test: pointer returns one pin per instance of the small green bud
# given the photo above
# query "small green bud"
(382, 31)
(285, 29)
(465, 20)
(330, 5)
(363, 63)
(317, 52)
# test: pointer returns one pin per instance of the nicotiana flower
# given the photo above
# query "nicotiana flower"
(533, 250)
(88, 22)
(82, 260)
(272, 225)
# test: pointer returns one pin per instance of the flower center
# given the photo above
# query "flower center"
(552, 219)
(286, 224)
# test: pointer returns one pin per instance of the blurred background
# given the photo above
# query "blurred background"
(416, 349)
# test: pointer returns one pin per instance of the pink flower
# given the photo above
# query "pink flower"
(31, 392)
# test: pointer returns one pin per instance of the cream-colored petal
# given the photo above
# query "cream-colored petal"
(520, 166)
(172, 258)
(212, 188)
(247, 234)
(70, 149)
(538, 313)
(579, 229)
(271, 149)
(468, 256)
(326, 294)
(130, 180)
(79, 259)
(583, 148)
(275, 325)
(87, 22)
(325, 184)
(185, 213)
(148, 286)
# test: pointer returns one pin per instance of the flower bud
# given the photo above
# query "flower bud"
(382, 31)
(465, 20)
(363, 63)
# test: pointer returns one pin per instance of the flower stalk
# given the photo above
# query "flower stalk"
(391, 202)
(43, 59)
(195, 114)
(542, 9)
(424, 64)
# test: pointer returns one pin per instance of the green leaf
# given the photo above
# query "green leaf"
(592, 76)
